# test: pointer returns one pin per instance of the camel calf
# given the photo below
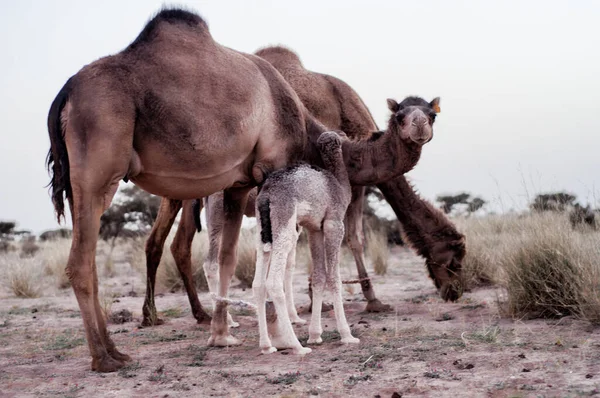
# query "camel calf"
(317, 200)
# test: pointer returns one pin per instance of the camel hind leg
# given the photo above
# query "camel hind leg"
(355, 238)
(181, 248)
(234, 204)
(154, 248)
(214, 225)
(94, 179)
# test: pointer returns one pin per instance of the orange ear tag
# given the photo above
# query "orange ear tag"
(436, 108)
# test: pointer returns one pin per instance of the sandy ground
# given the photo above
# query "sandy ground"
(425, 348)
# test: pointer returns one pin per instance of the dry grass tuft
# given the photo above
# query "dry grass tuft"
(377, 250)
(55, 255)
(22, 276)
(547, 269)
(246, 252)
(168, 274)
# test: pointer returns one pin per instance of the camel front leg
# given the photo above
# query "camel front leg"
(234, 204)
(181, 248)
(214, 225)
(355, 238)
(167, 213)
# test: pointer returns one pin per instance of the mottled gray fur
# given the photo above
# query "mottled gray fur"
(317, 200)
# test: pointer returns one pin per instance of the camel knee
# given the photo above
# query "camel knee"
(81, 276)
(181, 252)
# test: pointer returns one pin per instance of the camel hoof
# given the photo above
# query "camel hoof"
(223, 341)
(299, 321)
(204, 321)
(119, 356)
(301, 351)
(106, 364)
(350, 340)
(318, 340)
(268, 350)
(378, 306)
(147, 322)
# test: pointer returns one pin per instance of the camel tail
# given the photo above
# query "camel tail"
(196, 211)
(264, 211)
(57, 161)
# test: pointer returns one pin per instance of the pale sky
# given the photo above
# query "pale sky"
(518, 80)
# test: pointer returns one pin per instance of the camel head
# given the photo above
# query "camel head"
(444, 264)
(414, 118)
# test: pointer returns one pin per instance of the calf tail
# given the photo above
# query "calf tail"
(264, 212)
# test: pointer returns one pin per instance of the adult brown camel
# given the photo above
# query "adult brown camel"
(182, 117)
(339, 107)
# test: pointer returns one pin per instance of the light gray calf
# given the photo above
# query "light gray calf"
(317, 200)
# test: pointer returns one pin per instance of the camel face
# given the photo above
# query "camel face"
(414, 118)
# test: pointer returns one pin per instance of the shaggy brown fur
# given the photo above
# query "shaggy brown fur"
(430, 233)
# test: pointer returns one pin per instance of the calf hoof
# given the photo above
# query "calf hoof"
(268, 350)
(106, 364)
(301, 351)
(147, 322)
(378, 306)
(324, 307)
(223, 341)
(299, 321)
(318, 340)
(350, 340)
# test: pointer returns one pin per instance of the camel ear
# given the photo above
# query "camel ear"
(435, 104)
(392, 105)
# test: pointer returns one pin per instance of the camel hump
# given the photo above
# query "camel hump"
(279, 55)
(172, 16)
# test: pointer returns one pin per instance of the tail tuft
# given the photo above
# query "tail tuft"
(196, 209)
(57, 161)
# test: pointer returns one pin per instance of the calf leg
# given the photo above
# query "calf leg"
(154, 248)
(289, 281)
(286, 337)
(317, 252)
(333, 231)
(259, 289)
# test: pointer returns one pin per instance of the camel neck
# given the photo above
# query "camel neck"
(374, 162)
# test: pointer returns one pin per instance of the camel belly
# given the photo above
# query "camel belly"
(190, 174)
